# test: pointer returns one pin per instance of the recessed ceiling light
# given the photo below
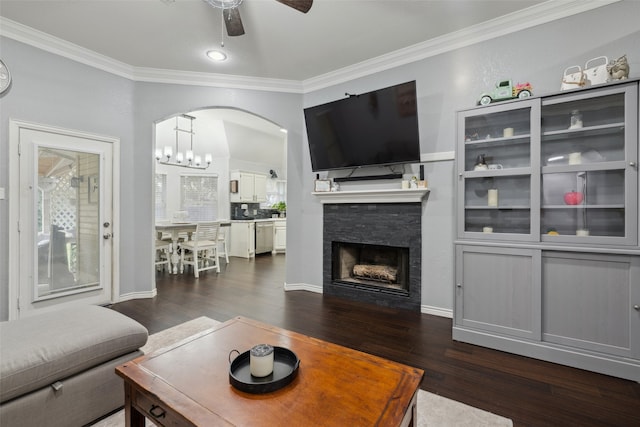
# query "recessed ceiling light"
(217, 55)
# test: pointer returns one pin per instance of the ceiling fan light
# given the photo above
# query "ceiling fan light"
(224, 4)
(216, 55)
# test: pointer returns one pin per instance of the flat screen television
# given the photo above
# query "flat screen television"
(372, 129)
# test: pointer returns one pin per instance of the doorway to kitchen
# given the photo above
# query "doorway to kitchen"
(234, 148)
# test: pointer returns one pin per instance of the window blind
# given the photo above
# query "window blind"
(199, 197)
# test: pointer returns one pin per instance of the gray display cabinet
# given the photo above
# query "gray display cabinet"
(547, 255)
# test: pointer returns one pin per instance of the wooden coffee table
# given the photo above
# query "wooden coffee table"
(187, 384)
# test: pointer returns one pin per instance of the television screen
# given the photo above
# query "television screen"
(374, 128)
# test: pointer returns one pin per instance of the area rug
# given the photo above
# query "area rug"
(433, 410)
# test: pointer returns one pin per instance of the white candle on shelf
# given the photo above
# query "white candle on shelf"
(261, 360)
(492, 197)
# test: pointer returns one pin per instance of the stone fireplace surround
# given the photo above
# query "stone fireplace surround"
(390, 224)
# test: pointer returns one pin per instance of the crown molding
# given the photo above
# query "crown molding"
(548, 11)
(57, 46)
(154, 75)
(536, 15)
(60, 47)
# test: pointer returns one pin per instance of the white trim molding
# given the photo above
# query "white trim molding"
(436, 311)
(302, 287)
(438, 156)
(542, 13)
(137, 295)
(411, 195)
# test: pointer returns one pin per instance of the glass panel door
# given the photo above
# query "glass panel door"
(65, 210)
(586, 151)
(496, 165)
(68, 233)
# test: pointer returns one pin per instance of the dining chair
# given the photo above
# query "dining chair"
(222, 239)
(202, 251)
(163, 254)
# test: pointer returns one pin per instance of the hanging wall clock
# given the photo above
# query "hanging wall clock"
(5, 77)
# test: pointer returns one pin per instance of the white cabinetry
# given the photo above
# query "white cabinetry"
(243, 239)
(279, 236)
(252, 187)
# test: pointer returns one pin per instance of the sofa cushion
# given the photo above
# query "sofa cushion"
(38, 351)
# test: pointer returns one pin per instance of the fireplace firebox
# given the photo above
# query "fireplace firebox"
(372, 253)
(379, 267)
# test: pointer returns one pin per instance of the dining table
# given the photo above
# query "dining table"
(175, 229)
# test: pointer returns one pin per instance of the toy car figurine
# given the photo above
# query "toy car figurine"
(506, 90)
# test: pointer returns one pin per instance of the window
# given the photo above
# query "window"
(161, 196)
(199, 197)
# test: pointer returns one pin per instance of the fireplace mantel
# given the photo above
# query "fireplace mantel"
(412, 195)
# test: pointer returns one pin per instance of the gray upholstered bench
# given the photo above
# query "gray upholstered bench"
(57, 368)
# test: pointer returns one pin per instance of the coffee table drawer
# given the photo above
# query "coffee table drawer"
(157, 413)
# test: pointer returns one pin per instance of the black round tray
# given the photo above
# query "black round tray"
(285, 369)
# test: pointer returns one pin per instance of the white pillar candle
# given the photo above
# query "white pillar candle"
(507, 132)
(261, 360)
(575, 158)
(492, 197)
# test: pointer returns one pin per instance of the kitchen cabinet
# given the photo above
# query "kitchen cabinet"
(252, 187)
(547, 254)
(279, 236)
(242, 239)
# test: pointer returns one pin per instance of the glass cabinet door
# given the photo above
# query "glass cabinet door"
(496, 190)
(588, 157)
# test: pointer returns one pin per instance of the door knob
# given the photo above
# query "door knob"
(106, 224)
(106, 236)
(636, 307)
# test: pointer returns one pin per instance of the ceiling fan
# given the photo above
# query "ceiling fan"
(232, 16)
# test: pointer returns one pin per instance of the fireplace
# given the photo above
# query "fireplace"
(372, 253)
(378, 267)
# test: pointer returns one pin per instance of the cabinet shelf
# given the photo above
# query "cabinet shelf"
(585, 167)
(609, 206)
(562, 135)
(498, 173)
(498, 208)
(502, 141)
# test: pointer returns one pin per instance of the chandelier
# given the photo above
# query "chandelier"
(187, 159)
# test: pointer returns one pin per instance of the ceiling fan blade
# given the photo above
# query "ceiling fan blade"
(301, 5)
(233, 22)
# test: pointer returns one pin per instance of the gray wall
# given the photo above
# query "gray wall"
(55, 91)
(453, 81)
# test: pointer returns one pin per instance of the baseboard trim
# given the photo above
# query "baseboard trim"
(424, 309)
(302, 287)
(436, 311)
(137, 295)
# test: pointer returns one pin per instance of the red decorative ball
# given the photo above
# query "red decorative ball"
(573, 198)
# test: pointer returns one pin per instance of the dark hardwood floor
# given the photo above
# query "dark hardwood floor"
(529, 391)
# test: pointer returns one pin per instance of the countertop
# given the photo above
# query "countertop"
(259, 220)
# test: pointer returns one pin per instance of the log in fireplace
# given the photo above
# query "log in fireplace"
(372, 253)
(379, 267)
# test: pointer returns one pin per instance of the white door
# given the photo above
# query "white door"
(65, 219)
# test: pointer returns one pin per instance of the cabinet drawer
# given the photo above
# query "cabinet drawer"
(159, 414)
